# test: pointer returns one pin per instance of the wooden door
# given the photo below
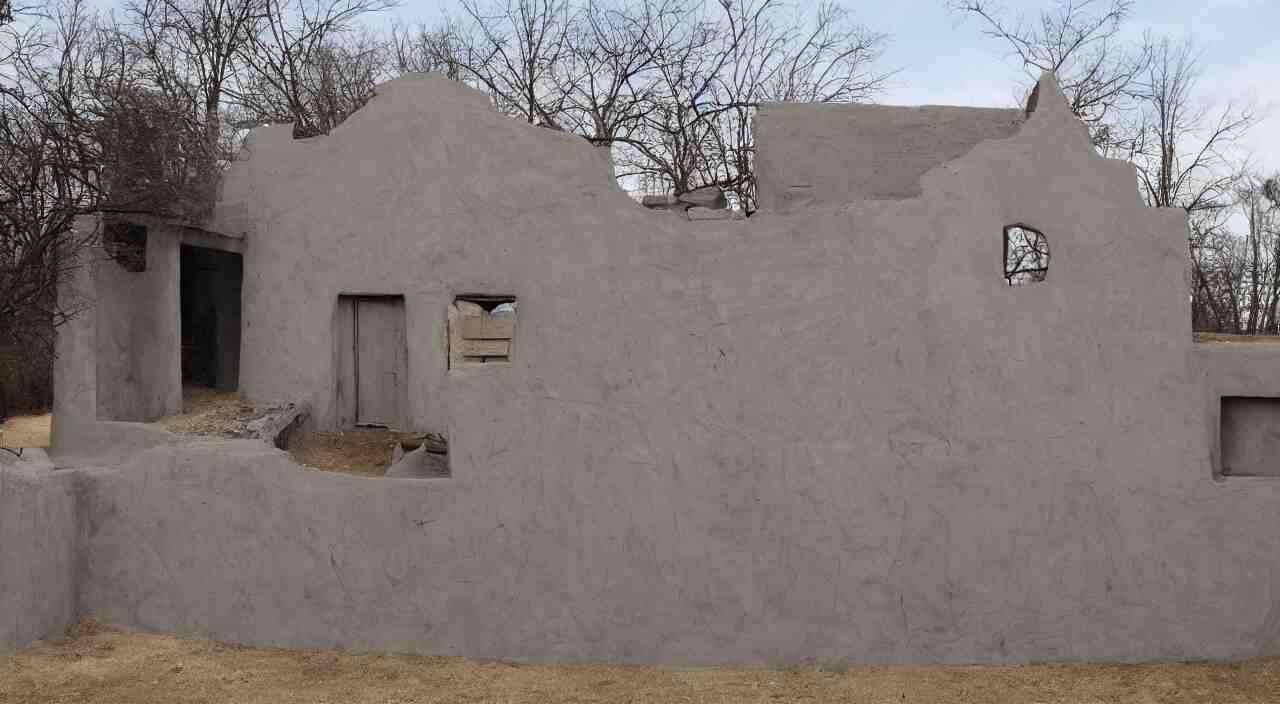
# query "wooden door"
(380, 367)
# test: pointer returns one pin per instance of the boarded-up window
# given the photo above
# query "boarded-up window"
(126, 243)
(481, 329)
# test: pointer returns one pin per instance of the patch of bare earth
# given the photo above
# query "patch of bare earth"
(26, 431)
(365, 452)
(1220, 337)
(99, 665)
(208, 412)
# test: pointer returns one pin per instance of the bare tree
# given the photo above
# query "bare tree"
(192, 47)
(512, 49)
(49, 174)
(1236, 274)
(1184, 154)
(85, 127)
(1079, 40)
(608, 74)
(668, 85)
(1141, 103)
(1261, 284)
(1215, 272)
(298, 63)
(1181, 146)
(423, 50)
(697, 132)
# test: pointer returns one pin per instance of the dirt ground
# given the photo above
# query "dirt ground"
(363, 452)
(26, 431)
(1219, 337)
(206, 411)
(102, 665)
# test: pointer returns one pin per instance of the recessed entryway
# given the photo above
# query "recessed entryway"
(210, 282)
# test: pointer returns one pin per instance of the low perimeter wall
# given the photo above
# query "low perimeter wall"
(37, 550)
(231, 540)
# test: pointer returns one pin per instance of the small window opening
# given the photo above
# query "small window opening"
(126, 244)
(1249, 437)
(1026, 255)
(481, 329)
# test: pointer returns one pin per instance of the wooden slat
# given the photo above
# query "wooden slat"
(489, 327)
(473, 328)
(500, 327)
(486, 348)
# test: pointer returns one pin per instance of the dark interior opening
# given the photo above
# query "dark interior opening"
(210, 288)
(126, 243)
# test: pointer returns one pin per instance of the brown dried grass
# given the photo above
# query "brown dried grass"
(207, 411)
(1222, 337)
(364, 452)
(98, 664)
(26, 431)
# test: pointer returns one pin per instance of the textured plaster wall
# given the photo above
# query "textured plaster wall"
(137, 331)
(97, 289)
(37, 550)
(832, 435)
(820, 154)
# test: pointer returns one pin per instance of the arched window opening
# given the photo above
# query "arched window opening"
(1026, 255)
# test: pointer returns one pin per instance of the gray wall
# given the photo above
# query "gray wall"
(137, 330)
(37, 551)
(832, 435)
(810, 154)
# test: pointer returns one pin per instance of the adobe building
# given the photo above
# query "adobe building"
(833, 432)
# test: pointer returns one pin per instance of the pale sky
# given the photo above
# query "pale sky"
(947, 61)
(944, 59)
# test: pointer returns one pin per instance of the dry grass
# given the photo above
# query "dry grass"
(207, 411)
(364, 452)
(1220, 337)
(26, 431)
(101, 665)
(221, 413)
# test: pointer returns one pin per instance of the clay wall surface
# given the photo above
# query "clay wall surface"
(137, 332)
(811, 154)
(829, 435)
(38, 540)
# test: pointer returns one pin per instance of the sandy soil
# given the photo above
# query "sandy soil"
(105, 665)
(26, 431)
(363, 452)
(1219, 337)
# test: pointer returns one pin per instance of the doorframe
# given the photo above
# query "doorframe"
(347, 359)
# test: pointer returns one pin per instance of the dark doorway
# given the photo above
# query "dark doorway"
(210, 281)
